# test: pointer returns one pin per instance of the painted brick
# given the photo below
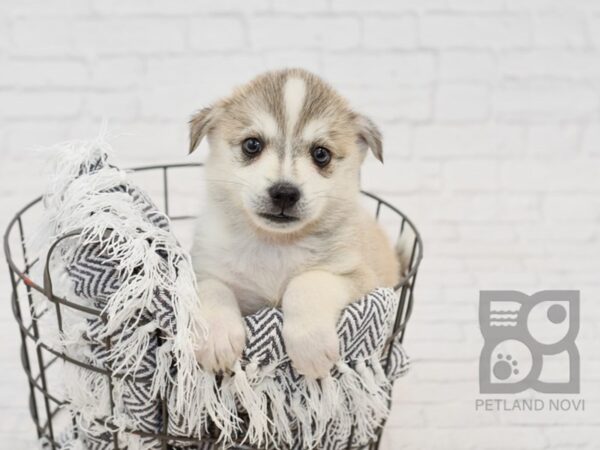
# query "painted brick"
(41, 36)
(175, 7)
(405, 103)
(389, 33)
(387, 6)
(111, 106)
(52, 73)
(119, 72)
(593, 27)
(181, 72)
(301, 7)
(446, 141)
(218, 33)
(550, 176)
(403, 68)
(471, 175)
(35, 105)
(468, 65)
(560, 30)
(475, 31)
(566, 64)
(279, 59)
(97, 36)
(554, 141)
(545, 102)
(298, 33)
(591, 140)
(462, 102)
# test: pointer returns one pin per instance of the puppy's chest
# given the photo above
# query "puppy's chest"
(268, 267)
(257, 272)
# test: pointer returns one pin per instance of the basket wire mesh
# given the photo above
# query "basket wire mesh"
(39, 359)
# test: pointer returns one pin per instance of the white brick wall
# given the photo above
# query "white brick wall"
(490, 110)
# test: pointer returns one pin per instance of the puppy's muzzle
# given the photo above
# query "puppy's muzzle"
(284, 196)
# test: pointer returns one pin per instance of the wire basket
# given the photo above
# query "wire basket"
(48, 408)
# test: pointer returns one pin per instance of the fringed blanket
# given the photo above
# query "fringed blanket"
(128, 265)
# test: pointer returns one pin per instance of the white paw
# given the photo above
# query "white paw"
(313, 348)
(225, 341)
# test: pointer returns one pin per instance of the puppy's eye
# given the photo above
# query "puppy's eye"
(252, 147)
(321, 156)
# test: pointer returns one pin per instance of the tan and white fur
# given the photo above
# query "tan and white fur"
(316, 255)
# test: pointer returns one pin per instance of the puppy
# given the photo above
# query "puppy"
(282, 225)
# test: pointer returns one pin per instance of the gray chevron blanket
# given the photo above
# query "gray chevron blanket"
(127, 264)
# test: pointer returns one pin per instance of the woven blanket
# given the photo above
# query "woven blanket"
(127, 264)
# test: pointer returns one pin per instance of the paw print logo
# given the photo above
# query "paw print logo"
(505, 366)
(521, 333)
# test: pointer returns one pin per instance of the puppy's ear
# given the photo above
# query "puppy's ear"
(370, 136)
(200, 124)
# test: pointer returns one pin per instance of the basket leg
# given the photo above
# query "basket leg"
(115, 435)
(25, 359)
(165, 424)
(36, 334)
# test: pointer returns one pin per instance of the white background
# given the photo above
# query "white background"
(490, 112)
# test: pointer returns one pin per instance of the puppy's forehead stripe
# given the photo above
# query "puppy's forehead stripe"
(294, 94)
(287, 166)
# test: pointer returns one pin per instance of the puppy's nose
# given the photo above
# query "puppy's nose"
(284, 195)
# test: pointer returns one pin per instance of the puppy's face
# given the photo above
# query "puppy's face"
(285, 150)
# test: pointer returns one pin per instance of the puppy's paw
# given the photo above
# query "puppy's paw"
(225, 341)
(313, 348)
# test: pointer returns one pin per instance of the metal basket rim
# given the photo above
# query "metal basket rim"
(40, 289)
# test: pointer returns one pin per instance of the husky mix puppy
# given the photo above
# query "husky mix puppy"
(282, 224)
